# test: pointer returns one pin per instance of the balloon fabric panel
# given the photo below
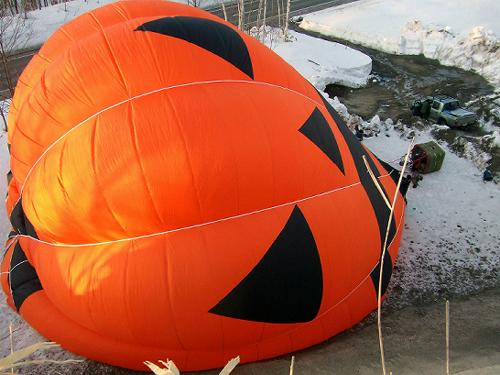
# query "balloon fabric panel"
(179, 191)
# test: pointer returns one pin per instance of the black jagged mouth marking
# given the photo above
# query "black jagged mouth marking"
(382, 212)
(286, 286)
(23, 279)
(317, 130)
(210, 35)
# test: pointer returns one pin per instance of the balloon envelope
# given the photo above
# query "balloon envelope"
(179, 191)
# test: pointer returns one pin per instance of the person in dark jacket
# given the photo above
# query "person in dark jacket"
(359, 133)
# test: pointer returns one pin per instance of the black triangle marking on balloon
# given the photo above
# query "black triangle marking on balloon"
(213, 36)
(380, 209)
(20, 221)
(23, 279)
(318, 131)
(286, 286)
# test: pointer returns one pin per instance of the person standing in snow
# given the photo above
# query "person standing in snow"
(359, 133)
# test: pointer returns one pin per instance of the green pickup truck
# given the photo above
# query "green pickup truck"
(443, 110)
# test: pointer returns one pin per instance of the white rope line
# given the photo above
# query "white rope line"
(13, 268)
(343, 298)
(77, 126)
(10, 262)
(8, 244)
(234, 217)
(200, 224)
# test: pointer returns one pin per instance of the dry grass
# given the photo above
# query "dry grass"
(447, 328)
(19, 358)
(384, 248)
(292, 363)
(171, 369)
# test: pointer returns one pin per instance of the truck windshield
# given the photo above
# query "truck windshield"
(450, 106)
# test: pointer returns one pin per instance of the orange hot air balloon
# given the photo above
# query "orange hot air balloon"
(179, 191)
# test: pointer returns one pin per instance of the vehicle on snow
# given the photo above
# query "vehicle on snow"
(444, 110)
(296, 19)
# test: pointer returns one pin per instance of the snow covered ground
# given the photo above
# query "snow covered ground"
(451, 242)
(460, 33)
(40, 24)
(320, 61)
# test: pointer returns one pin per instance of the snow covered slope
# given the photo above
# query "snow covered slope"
(461, 33)
(323, 62)
(320, 61)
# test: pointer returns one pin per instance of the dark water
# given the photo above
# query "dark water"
(398, 80)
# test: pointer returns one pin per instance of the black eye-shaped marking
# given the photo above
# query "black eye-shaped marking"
(286, 286)
(318, 131)
(207, 34)
(23, 279)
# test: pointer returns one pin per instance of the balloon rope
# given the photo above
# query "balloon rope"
(292, 363)
(142, 95)
(13, 268)
(203, 224)
(374, 179)
(384, 249)
(447, 328)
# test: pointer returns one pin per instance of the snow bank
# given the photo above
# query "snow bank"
(459, 33)
(319, 61)
(42, 23)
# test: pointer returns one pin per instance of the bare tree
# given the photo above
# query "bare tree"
(259, 13)
(264, 13)
(247, 21)
(12, 27)
(223, 6)
(241, 13)
(278, 3)
(24, 8)
(287, 17)
(195, 3)
(4, 109)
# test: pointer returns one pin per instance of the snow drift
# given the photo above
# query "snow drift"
(464, 35)
(320, 61)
